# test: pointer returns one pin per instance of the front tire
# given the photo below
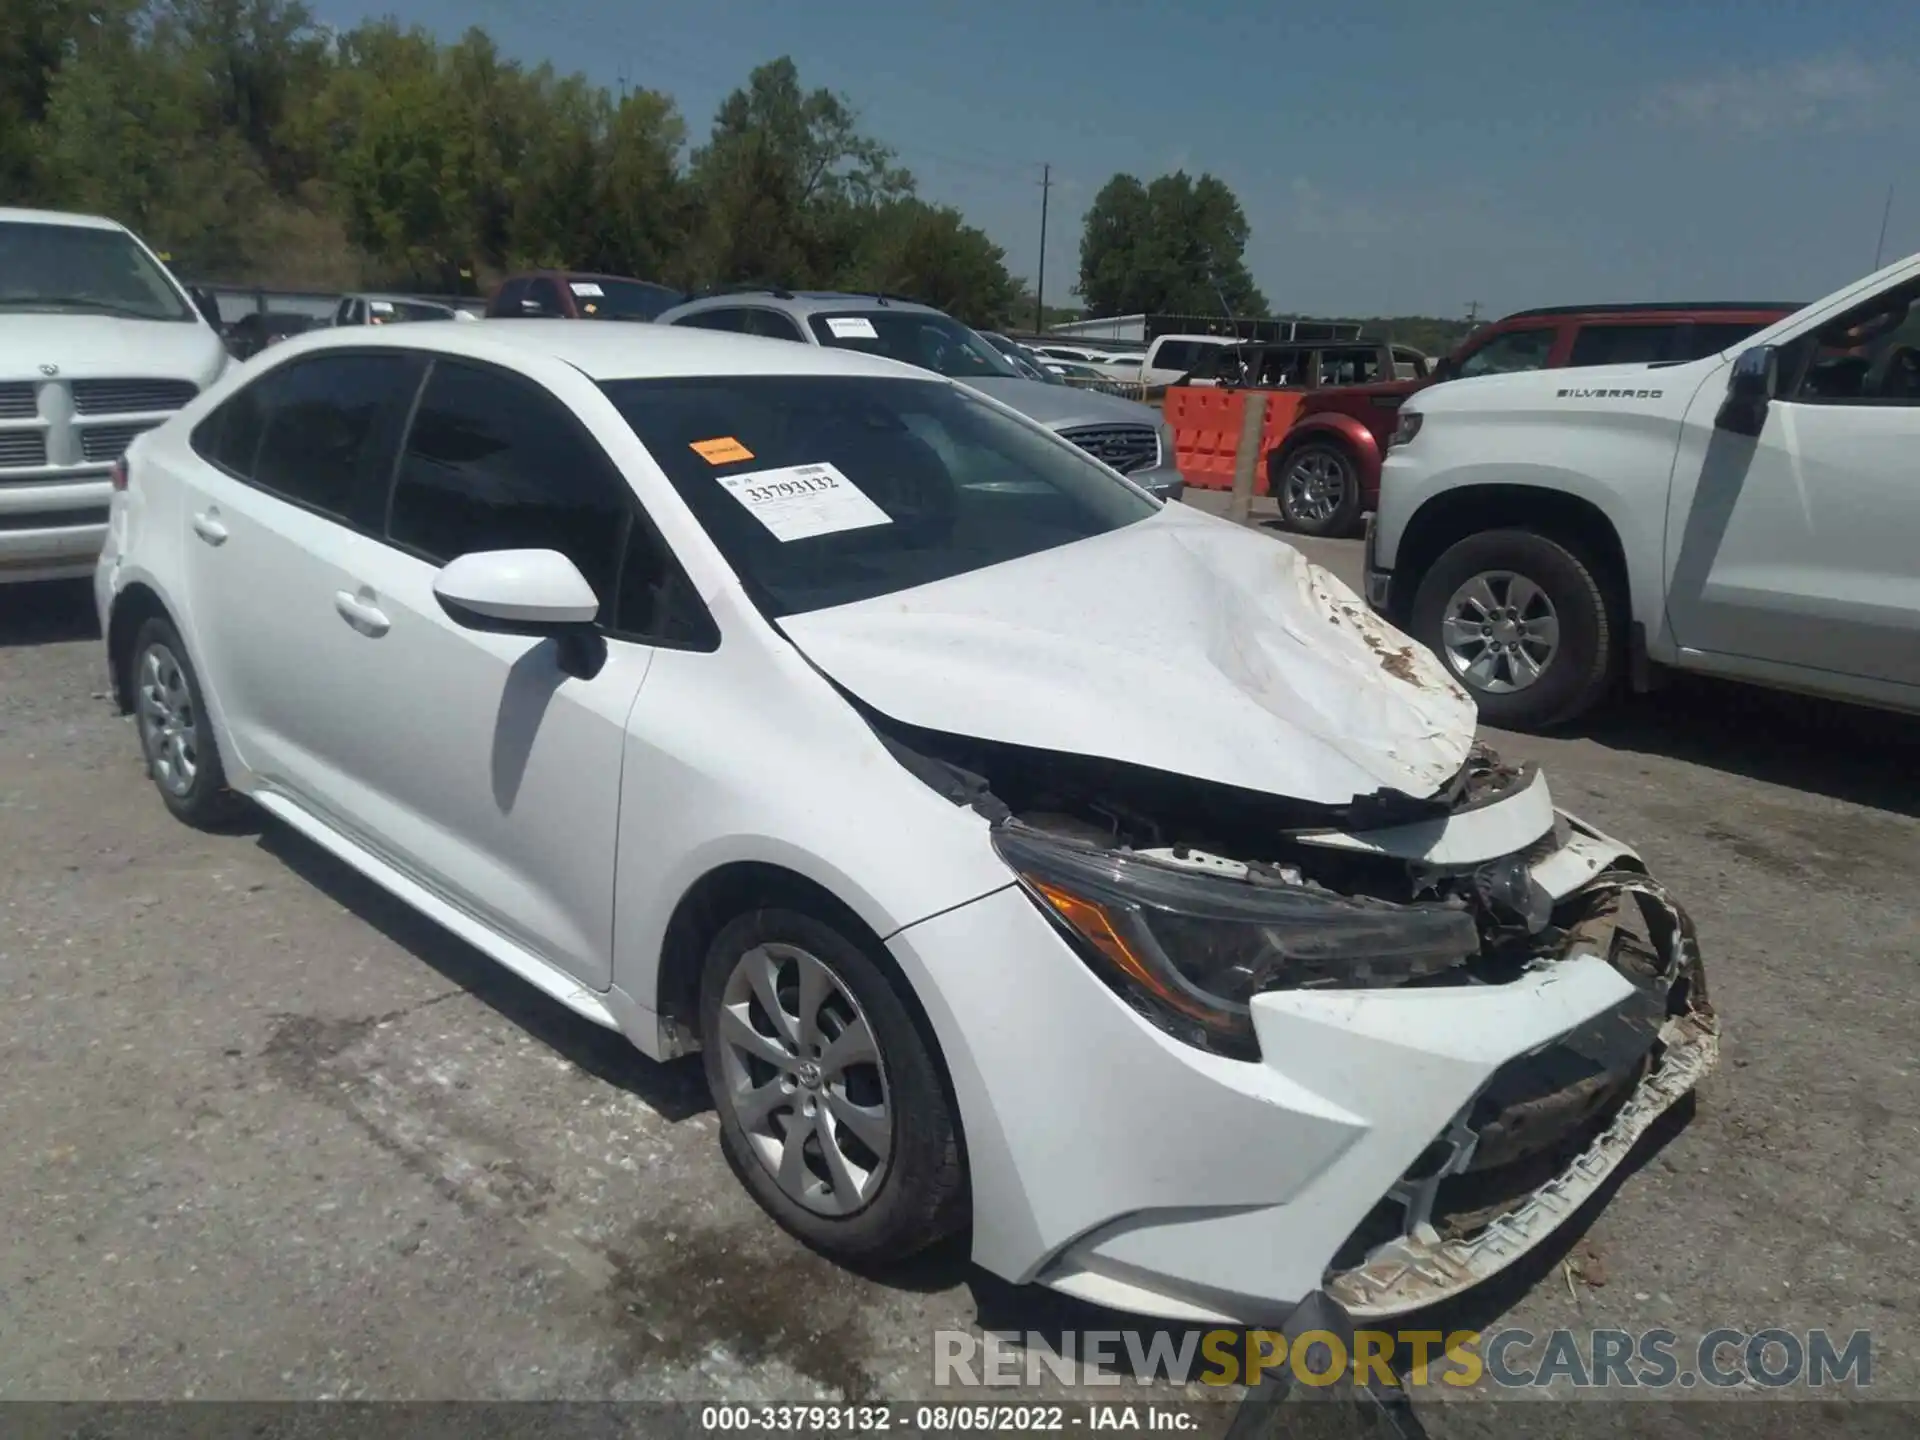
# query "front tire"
(1523, 622)
(176, 733)
(1318, 487)
(832, 1106)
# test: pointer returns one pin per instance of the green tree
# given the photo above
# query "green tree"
(931, 253)
(1174, 246)
(784, 184)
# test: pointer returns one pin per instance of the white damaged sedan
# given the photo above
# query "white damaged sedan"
(1022, 854)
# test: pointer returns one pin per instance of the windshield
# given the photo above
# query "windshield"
(622, 299)
(930, 340)
(822, 490)
(82, 270)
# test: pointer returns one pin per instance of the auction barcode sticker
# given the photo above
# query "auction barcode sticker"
(851, 327)
(797, 502)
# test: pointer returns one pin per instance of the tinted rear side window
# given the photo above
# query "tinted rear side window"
(494, 462)
(1622, 344)
(319, 432)
(1176, 355)
(507, 303)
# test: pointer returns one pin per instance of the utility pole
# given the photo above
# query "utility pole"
(1880, 244)
(1473, 313)
(1040, 285)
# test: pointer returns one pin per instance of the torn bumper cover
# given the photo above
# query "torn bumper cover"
(1541, 1138)
(1412, 1141)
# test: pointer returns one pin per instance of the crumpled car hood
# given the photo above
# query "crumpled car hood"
(1183, 642)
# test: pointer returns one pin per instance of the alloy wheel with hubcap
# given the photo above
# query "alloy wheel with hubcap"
(1523, 619)
(806, 1078)
(169, 720)
(1500, 632)
(834, 1106)
(1319, 493)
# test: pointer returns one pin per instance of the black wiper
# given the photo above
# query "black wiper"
(76, 302)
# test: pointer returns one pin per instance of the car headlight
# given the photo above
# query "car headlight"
(1167, 447)
(1405, 428)
(1191, 949)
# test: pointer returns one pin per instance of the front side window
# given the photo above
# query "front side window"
(1349, 367)
(1700, 341)
(1508, 352)
(931, 341)
(506, 305)
(542, 301)
(82, 270)
(319, 432)
(1623, 344)
(824, 490)
(494, 462)
(1176, 355)
(1869, 356)
(773, 325)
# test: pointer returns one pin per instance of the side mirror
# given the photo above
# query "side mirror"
(1750, 387)
(526, 592)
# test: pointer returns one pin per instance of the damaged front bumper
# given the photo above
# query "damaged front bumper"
(1393, 1145)
(1543, 1135)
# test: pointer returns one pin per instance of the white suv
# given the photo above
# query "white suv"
(1752, 514)
(1014, 847)
(97, 343)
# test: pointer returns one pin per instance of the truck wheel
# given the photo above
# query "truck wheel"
(1523, 623)
(1318, 489)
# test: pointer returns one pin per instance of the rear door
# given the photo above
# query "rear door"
(288, 470)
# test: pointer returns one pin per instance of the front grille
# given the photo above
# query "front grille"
(130, 397)
(22, 449)
(17, 402)
(103, 443)
(1125, 447)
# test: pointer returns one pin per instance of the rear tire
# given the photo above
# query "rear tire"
(1523, 622)
(860, 1158)
(1318, 488)
(176, 733)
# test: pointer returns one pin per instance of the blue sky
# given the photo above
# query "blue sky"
(1391, 158)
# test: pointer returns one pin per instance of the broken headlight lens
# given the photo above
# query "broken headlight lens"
(1190, 949)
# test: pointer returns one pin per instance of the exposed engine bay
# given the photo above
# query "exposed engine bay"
(1193, 898)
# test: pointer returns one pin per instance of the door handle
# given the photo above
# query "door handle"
(207, 526)
(361, 613)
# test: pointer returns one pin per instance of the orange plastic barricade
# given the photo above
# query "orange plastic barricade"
(1206, 432)
(1206, 428)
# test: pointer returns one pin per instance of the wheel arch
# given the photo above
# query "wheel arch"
(739, 887)
(1452, 515)
(136, 604)
(1333, 428)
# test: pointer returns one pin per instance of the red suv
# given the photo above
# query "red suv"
(577, 295)
(1326, 472)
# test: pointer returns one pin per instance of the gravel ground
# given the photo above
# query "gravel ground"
(269, 1135)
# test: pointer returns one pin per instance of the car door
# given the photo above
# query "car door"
(478, 758)
(1795, 547)
(286, 470)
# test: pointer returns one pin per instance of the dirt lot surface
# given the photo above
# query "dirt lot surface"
(267, 1134)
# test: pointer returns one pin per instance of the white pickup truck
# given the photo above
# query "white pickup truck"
(97, 343)
(1754, 514)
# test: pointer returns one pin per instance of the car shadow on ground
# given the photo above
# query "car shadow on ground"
(47, 612)
(1825, 747)
(676, 1089)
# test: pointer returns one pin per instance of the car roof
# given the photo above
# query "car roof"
(614, 352)
(11, 215)
(806, 302)
(1663, 307)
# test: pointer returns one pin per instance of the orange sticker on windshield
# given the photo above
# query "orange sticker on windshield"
(723, 450)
